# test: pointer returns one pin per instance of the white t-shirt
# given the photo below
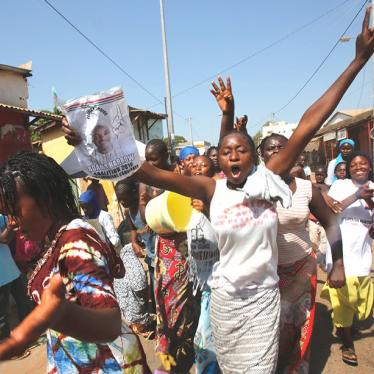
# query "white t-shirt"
(330, 172)
(246, 224)
(354, 223)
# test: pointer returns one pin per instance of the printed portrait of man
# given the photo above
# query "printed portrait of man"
(102, 138)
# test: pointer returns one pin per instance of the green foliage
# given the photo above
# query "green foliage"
(178, 139)
(35, 134)
(257, 138)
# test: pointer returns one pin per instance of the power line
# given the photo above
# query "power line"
(317, 69)
(321, 64)
(116, 64)
(256, 53)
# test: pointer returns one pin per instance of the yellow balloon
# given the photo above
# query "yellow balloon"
(169, 212)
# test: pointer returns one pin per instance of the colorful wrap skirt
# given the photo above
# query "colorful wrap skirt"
(297, 285)
(176, 308)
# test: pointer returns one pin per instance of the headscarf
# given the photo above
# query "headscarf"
(339, 158)
(189, 150)
(89, 197)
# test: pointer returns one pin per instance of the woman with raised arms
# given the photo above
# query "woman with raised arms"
(245, 297)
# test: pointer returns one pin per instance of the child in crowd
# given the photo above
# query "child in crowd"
(340, 170)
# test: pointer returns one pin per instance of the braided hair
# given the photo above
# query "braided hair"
(43, 180)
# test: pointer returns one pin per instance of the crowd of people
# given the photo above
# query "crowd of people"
(234, 292)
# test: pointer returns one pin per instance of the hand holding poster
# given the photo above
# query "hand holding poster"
(108, 149)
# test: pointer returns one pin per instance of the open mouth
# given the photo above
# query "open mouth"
(235, 171)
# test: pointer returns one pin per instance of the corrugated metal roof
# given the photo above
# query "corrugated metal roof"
(30, 112)
(24, 72)
(147, 113)
(346, 123)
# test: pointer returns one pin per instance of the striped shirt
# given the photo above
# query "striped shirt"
(293, 238)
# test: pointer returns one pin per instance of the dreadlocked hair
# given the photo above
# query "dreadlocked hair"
(260, 148)
(43, 180)
(247, 137)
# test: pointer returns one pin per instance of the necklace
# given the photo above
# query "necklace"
(44, 258)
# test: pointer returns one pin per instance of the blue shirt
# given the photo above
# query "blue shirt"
(8, 268)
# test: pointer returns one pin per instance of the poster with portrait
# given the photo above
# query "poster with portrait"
(108, 149)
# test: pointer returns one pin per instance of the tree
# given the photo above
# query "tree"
(177, 138)
(35, 134)
(257, 138)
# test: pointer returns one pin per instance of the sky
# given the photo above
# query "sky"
(269, 49)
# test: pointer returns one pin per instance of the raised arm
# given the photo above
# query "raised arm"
(316, 115)
(225, 101)
(198, 187)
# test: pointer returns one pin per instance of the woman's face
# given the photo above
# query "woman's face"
(341, 171)
(346, 150)
(29, 219)
(359, 169)
(187, 163)
(213, 155)
(271, 147)
(102, 139)
(236, 158)
(202, 166)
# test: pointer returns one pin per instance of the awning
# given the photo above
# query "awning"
(73, 168)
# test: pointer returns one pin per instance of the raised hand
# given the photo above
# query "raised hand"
(71, 136)
(365, 40)
(240, 124)
(223, 95)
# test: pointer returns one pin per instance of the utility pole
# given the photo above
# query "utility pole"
(170, 120)
(189, 122)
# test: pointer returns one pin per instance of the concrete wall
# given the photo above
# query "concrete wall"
(13, 89)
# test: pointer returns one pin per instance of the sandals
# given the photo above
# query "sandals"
(349, 356)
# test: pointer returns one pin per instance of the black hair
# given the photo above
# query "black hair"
(43, 180)
(260, 148)
(247, 137)
(127, 186)
(158, 145)
(210, 149)
(362, 154)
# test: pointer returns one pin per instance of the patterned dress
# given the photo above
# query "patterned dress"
(177, 309)
(80, 259)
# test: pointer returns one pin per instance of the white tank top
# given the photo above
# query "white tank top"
(246, 225)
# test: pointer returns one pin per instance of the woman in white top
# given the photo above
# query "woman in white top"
(356, 297)
(297, 263)
(245, 298)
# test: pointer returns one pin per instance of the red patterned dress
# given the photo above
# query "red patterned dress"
(176, 307)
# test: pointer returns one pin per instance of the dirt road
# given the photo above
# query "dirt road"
(326, 355)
